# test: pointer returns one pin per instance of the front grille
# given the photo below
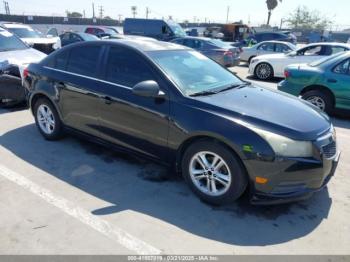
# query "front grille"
(329, 151)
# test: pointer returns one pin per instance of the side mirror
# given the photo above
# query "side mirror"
(148, 88)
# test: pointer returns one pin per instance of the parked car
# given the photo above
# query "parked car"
(268, 36)
(267, 66)
(325, 83)
(264, 48)
(102, 31)
(158, 29)
(14, 57)
(68, 38)
(176, 106)
(33, 38)
(217, 50)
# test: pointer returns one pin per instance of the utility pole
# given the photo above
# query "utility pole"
(84, 13)
(228, 14)
(148, 11)
(7, 8)
(101, 10)
(134, 11)
(93, 10)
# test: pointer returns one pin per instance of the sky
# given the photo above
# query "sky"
(254, 11)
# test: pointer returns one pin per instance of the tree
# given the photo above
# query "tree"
(271, 5)
(74, 14)
(107, 17)
(304, 18)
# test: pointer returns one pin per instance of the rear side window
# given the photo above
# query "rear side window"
(126, 67)
(281, 48)
(342, 68)
(58, 61)
(84, 60)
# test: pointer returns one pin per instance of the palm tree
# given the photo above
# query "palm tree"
(271, 5)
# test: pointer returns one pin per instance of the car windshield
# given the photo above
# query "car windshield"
(177, 30)
(193, 72)
(325, 60)
(24, 32)
(9, 42)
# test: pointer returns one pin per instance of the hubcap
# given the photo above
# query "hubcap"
(263, 71)
(317, 101)
(46, 119)
(210, 173)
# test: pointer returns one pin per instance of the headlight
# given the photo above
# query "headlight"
(284, 146)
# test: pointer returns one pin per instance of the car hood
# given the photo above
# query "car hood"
(270, 110)
(272, 56)
(22, 57)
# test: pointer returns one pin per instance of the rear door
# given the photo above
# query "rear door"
(138, 123)
(339, 82)
(77, 70)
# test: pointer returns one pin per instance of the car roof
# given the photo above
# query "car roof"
(145, 45)
(138, 44)
(14, 25)
(329, 44)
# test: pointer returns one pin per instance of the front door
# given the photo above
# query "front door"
(139, 123)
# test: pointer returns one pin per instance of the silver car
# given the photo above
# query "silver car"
(219, 51)
(14, 57)
(264, 48)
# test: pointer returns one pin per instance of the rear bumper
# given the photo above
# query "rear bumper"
(234, 62)
(11, 89)
(290, 88)
(294, 180)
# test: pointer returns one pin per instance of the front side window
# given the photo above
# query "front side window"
(9, 42)
(342, 68)
(269, 47)
(193, 72)
(311, 51)
(127, 68)
(281, 48)
(84, 60)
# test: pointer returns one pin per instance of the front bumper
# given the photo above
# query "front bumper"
(308, 180)
(293, 179)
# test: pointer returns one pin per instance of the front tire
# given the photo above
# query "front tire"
(214, 173)
(263, 71)
(47, 119)
(319, 99)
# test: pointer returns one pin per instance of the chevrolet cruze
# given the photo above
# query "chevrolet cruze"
(174, 105)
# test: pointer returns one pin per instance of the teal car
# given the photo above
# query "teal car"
(324, 83)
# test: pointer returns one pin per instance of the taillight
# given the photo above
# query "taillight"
(25, 73)
(228, 53)
(287, 74)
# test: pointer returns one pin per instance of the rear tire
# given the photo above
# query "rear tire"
(319, 99)
(264, 71)
(47, 119)
(220, 178)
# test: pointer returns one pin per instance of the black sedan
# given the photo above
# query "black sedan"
(68, 38)
(176, 106)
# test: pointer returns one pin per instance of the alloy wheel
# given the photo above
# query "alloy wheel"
(46, 119)
(263, 71)
(317, 101)
(210, 173)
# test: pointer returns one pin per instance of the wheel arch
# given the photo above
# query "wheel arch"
(35, 97)
(206, 137)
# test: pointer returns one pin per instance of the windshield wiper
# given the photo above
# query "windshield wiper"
(204, 93)
(234, 86)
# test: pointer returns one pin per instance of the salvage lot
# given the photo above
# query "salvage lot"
(74, 197)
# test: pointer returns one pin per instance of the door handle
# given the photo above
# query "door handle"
(108, 100)
(332, 81)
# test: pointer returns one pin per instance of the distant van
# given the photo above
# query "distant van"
(158, 29)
